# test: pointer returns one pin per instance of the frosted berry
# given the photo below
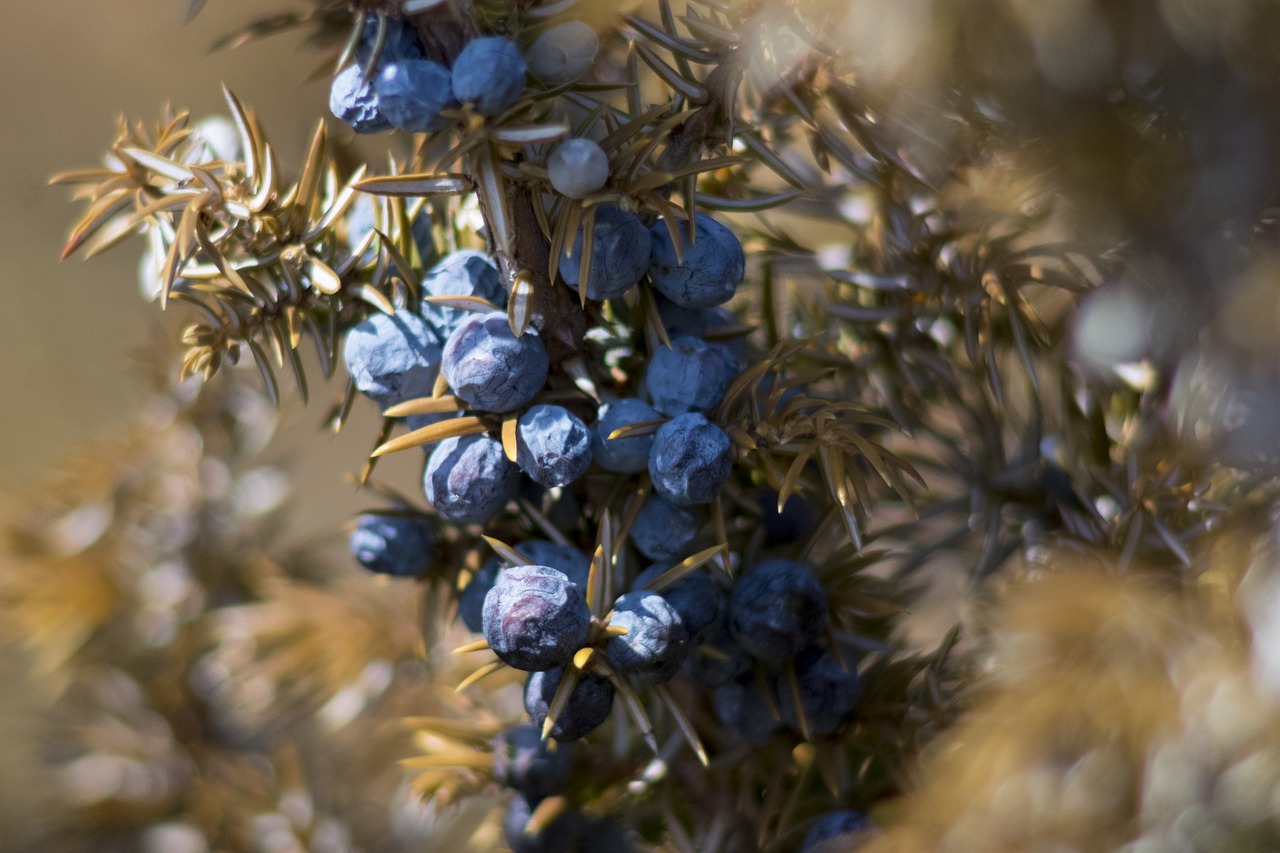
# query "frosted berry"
(535, 618)
(490, 368)
(465, 272)
(399, 545)
(392, 358)
(828, 692)
(689, 376)
(656, 641)
(563, 558)
(400, 41)
(355, 101)
(695, 597)
(524, 761)
(625, 454)
(578, 168)
(563, 53)
(689, 462)
(469, 479)
(589, 704)
(489, 73)
(666, 531)
(713, 266)
(553, 445)
(777, 608)
(619, 255)
(411, 94)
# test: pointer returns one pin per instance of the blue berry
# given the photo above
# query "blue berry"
(465, 272)
(690, 460)
(560, 837)
(656, 641)
(625, 454)
(553, 446)
(828, 693)
(833, 827)
(490, 368)
(718, 660)
(619, 255)
(469, 479)
(700, 323)
(524, 761)
(742, 707)
(535, 618)
(797, 521)
(400, 41)
(471, 599)
(712, 269)
(690, 376)
(392, 358)
(490, 73)
(695, 597)
(411, 94)
(589, 704)
(563, 53)
(778, 608)
(578, 168)
(356, 102)
(666, 531)
(563, 558)
(399, 545)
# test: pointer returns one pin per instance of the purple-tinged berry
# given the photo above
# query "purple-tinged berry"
(835, 831)
(742, 707)
(561, 836)
(355, 102)
(829, 693)
(777, 609)
(469, 479)
(624, 454)
(689, 376)
(524, 761)
(695, 597)
(689, 462)
(553, 445)
(563, 558)
(666, 531)
(563, 53)
(392, 358)
(490, 368)
(535, 618)
(578, 168)
(619, 255)
(411, 94)
(656, 641)
(399, 545)
(713, 266)
(465, 272)
(589, 704)
(489, 73)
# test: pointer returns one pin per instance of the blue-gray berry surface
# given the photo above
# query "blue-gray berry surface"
(666, 531)
(619, 255)
(490, 368)
(713, 266)
(489, 73)
(796, 522)
(689, 376)
(575, 564)
(400, 41)
(465, 272)
(471, 599)
(625, 454)
(577, 168)
(589, 704)
(719, 659)
(833, 832)
(689, 462)
(742, 707)
(535, 618)
(399, 545)
(695, 597)
(656, 641)
(828, 692)
(777, 609)
(355, 101)
(561, 836)
(411, 94)
(524, 761)
(392, 358)
(469, 479)
(563, 53)
(553, 445)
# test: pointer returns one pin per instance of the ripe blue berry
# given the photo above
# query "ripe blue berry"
(356, 102)
(666, 531)
(469, 479)
(696, 599)
(625, 454)
(399, 545)
(392, 358)
(718, 660)
(400, 41)
(656, 641)
(712, 268)
(690, 461)
(562, 558)
(563, 53)
(777, 608)
(560, 837)
(589, 704)
(797, 520)
(465, 272)
(689, 376)
(553, 446)
(524, 761)
(619, 255)
(835, 827)
(471, 599)
(742, 708)
(828, 693)
(490, 73)
(411, 94)
(535, 618)
(490, 368)
(578, 168)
